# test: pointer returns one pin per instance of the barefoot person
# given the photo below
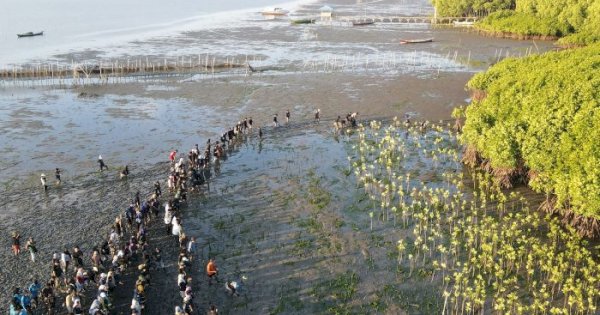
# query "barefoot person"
(275, 123)
(101, 163)
(173, 156)
(57, 175)
(125, 172)
(43, 180)
(287, 117)
(211, 270)
(16, 243)
(32, 248)
(232, 287)
(318, 115)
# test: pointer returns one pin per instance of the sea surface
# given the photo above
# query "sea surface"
(71, 25)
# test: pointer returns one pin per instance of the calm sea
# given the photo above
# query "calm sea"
(71, 25)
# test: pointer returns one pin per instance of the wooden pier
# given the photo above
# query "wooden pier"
(407, 19)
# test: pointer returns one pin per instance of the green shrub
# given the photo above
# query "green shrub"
(543, 113)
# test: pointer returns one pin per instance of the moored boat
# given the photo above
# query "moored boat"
(304, 21)
(362, 23)
(30, 34)
(416, 41)
(463, 24)
(275, 12)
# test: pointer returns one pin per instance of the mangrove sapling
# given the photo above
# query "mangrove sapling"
(401, 246)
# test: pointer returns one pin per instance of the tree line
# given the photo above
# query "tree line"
(575, 22)
(537, 120)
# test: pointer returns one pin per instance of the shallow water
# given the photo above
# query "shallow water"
(75, 25)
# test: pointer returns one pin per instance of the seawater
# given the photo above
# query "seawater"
(74, 25)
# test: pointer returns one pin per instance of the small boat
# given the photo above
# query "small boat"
(416, 41)
(30, 34)
(275, 12)
(304, 21)
(362, 23)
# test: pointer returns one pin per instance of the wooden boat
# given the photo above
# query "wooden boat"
(362, 23)
(416, 41)
(275, 12)
(304, 21)
(30, 34)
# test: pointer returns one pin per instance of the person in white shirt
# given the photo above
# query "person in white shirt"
(43, 180)
(168, 217)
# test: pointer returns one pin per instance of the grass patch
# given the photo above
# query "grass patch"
(317, 195)
(311, 224)
(219, 225)
(335, 293)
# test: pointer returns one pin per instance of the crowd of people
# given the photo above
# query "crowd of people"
(194, 172)
(74, 279)
(348, 121)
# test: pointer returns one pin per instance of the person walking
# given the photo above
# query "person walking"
(173, 156)
(318, 115)
(101, 163)
(191, 248)
(43, 180)
(32, 248)
(275, 123)
(287, 117)
(57, 175)
(211, 270)
(157, 190)
(16, 243)
(34, 290)
(125, 172)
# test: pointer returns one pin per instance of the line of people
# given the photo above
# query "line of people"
(195, 170)
(70, 277)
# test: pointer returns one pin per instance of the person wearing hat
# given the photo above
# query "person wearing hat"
(101, 163)
(43, 180)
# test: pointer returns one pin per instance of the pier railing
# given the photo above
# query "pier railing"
(406, 19)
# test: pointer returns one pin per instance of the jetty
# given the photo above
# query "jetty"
(409, 19)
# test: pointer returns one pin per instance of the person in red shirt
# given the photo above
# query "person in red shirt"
(172, 156)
